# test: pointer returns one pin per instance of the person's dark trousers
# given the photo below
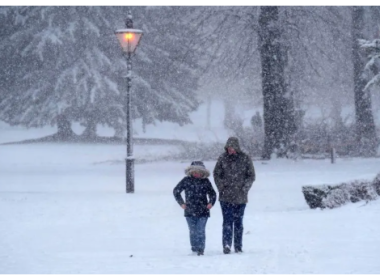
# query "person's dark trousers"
(197, 228)
(232, 224)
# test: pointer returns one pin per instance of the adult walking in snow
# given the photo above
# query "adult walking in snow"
(234, 175)
(200, 198)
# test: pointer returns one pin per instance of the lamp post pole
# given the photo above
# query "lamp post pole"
(129, 39)
(129, 161)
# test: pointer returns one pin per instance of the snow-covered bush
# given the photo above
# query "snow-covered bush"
(376, 184)
(326, 196)
(335, 197)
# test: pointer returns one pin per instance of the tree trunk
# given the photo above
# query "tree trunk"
(119, 132)
(366, 141)
(229, 114)
(278, 109)
(90, 130)
(208, 112)
(375, 21)
(143, 124)
(64, 128)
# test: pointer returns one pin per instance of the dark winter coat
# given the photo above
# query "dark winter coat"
(196, 192)
(234, 174)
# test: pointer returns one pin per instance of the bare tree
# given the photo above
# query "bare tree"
(292, 58)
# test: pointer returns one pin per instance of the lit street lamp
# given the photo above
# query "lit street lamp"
(129, 39)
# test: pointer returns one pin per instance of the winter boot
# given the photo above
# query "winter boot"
(238, 250)
(226, 249)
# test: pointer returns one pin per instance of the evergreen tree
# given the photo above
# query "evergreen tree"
(166, 67)
(5, 32)
(64, 64)
(61, 69)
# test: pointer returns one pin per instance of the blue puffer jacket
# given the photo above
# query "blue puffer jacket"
(196, 192)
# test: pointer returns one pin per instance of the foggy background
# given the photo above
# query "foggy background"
(63, 65)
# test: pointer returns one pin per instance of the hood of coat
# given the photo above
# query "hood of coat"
(233, 142)
(199, 167)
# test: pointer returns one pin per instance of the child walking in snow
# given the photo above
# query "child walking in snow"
(197, 207)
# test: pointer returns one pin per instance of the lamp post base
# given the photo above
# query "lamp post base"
(129, 171)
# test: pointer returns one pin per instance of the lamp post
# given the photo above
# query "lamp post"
(129, 39)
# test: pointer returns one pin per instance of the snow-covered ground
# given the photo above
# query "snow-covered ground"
(64, 209)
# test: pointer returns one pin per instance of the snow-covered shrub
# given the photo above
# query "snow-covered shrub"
(361, 190)
(326, 196)
(376, 184)
(336, 196)
(314, 195)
